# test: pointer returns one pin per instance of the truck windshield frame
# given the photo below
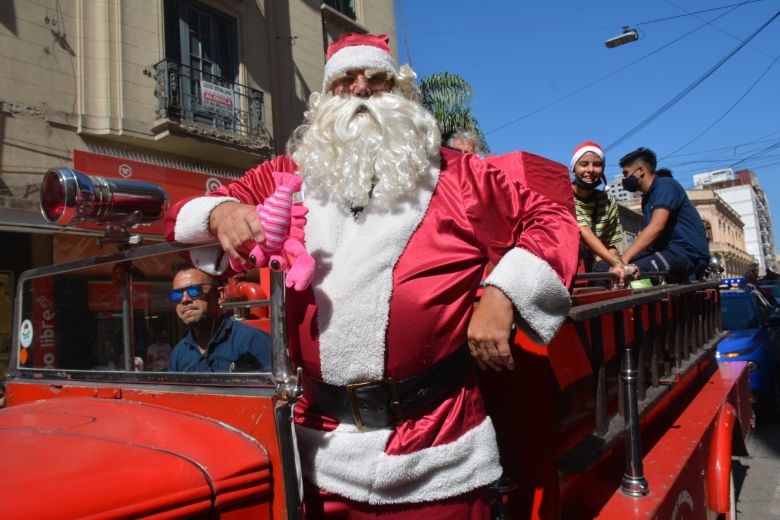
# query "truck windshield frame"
(124, 370)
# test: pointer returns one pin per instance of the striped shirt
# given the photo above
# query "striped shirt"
(600, 214)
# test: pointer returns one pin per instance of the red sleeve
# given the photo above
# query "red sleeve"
(505, 215)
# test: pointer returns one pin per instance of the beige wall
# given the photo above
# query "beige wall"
(727, 238)
(79, 74)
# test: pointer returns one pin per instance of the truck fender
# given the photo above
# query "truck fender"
(719, 462)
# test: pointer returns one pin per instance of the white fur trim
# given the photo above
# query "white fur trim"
(582, 151)
(357, 57)
(354, 464)
(210, 259)
(192, 222)
(536, 292)
(353, 281)
(192, 227)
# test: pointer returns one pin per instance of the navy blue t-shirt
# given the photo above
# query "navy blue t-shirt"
(684, 232)
(235, 347)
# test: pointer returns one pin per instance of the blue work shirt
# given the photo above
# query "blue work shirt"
(684, 233)
(234, 347)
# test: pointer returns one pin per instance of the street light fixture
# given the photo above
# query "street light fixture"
(629, 35)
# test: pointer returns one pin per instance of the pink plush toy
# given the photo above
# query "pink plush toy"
(283, 223)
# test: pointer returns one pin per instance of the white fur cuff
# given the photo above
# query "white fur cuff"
(192, 222)
(536, 292)
(192, 227)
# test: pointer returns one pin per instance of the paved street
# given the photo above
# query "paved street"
(757, 477)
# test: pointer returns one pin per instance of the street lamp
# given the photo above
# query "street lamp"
(629, 35)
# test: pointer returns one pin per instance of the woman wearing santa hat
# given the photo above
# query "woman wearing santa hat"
(597, 212)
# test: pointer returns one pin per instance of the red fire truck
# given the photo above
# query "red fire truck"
(625, 414)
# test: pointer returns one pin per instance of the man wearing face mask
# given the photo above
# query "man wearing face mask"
(673, 239)
(597, 212)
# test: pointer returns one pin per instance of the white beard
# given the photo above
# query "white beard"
(358, 149)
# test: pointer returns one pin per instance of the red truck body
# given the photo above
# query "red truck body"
(628, 390)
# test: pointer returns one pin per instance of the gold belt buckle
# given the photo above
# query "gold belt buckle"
(395, 402)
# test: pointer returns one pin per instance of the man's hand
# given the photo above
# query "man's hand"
(237, 227)
(620, 270)
(489, 330)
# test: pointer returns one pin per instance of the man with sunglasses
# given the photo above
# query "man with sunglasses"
(401, 230)
(213, 343)
(673, 239)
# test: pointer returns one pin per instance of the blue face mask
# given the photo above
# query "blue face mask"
(587, 185)
(631, 183)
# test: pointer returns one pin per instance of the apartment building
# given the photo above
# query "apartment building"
(725, 230)
(742, 191)
(184, 93)
(617, 192)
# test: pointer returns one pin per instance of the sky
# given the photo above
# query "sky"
(544, 81)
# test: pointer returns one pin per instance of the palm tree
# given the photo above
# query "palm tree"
(448, 97)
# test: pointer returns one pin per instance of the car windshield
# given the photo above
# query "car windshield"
(117, 316)
(738, 312)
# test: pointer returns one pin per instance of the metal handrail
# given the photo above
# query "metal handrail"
(688, 320)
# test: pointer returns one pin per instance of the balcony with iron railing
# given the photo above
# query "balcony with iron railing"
(209, 106)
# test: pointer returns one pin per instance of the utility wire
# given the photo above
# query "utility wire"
(733, 36)
(718, 120)
(695, 12)
(687, 90)
(735, 146)
(603, 78)
(758, 155)
(727, 158)
(536, 28)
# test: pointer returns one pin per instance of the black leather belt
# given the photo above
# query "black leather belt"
(379, 404)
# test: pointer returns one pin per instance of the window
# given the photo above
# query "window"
(738, 312)
(203, 42)
(345, 7)
(707, 229)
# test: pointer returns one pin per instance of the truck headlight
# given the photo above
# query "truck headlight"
(69, 197)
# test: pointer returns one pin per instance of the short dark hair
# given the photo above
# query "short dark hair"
(645, 155)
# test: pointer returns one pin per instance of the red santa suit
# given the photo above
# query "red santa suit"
(392, 295)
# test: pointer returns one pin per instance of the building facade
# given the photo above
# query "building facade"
(616, 191)
(742, 191)
(186, 93)
(724, 230)
(632, 222)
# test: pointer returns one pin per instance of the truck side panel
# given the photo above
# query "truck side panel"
(677, 468)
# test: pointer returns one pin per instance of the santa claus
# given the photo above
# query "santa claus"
(392, 419)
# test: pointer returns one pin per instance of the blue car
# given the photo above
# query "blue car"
(772, 293)
(753, 335)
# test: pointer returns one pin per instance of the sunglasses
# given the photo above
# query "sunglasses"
(193, 291)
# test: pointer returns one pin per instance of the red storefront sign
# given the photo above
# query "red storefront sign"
(44, 342)
(107, 296)
(178, 184)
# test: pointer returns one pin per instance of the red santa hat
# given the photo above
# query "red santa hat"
(358, 51)
(584, 148)
(588, 146)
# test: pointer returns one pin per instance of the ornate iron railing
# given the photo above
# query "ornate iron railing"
(190, 95)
